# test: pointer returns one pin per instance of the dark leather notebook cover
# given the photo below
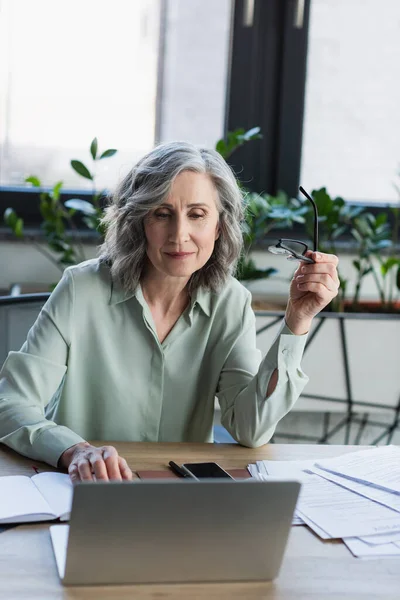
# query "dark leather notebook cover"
(168, 474)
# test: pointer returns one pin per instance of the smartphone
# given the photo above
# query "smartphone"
(207, 470)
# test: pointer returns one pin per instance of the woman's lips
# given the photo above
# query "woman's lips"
(179, 255)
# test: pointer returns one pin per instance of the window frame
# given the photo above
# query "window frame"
(266, 88)
(274, 52)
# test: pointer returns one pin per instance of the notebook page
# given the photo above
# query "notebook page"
(21, 501)
(59, 538)
(57, 489)
(379, 466)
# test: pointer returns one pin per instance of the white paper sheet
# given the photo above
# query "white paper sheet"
(342, 513)
(57, 489)
(378, 466)
(368, 490)
(263, 476)
(59, 537)
(252, 469)
(21, 501)
(362, 550)
(384, 538)
(287, 469)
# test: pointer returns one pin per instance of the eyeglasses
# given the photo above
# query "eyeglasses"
(294, 249)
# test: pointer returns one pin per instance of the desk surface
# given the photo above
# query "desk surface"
(311, 570)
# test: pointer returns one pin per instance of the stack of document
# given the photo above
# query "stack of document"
(355, 496)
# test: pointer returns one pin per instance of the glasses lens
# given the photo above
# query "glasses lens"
(292, 246)
(278, 250)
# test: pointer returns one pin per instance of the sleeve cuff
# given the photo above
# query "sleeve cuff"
(53, 441)
(288, 347)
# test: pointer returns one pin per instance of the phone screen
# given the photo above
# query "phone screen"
(207, 470)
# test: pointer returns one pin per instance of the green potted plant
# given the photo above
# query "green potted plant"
(64, 244)
(353, 348)
(374, 236)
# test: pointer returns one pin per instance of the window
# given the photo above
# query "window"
(351, 143)
(267, 90)
(74, 71)
(131, 72)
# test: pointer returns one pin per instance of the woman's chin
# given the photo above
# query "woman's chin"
(179, 272)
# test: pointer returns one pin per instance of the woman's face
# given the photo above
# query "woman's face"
(181, 232)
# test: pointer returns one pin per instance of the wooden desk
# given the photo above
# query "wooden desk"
(312, 569)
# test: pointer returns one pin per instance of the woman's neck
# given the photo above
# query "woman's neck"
(165, 296)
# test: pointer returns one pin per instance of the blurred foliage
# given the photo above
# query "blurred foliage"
(375, 242)
(235, 139)
(58, 216)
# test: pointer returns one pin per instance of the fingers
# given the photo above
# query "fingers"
(110, 456)
(80, 470)
(320, 290)
(320, 278)
(100, 464)
(321, 257)
(325, 273)
(312, 283)
(124, 469)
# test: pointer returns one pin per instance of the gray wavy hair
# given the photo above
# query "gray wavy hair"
(145, 187)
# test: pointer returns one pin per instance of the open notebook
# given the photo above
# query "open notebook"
(43, 497)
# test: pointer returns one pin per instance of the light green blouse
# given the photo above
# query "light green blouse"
(92, 368)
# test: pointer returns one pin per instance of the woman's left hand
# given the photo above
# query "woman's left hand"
(313, 287)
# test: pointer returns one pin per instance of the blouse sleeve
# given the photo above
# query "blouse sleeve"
(30, 378)
(246, 412)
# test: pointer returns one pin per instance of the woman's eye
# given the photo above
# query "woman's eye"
(196, 215)
(162, 215)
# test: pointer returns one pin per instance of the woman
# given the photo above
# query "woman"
(136, 345)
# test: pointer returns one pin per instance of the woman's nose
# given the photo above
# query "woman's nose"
(179, 230)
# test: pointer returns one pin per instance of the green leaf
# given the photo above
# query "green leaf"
(323, 201)
(93, 148)
(19, 228)
(339, 231)
(253, 133)
(80, 168)
(46, 212)
(108, 153)
(15, 223)
(60, 245)
(221, 148)
(96, 197)
(35, 181)
(81, 205)
(357, 236)
(90, 222)
(381, 219)
(10, 217)
(389, 264)
(56, 190)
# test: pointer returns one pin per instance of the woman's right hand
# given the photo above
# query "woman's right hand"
(88, 463)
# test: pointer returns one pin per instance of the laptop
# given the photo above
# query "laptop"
(174, 531)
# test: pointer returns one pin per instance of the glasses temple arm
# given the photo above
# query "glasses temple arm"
(303, 191)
